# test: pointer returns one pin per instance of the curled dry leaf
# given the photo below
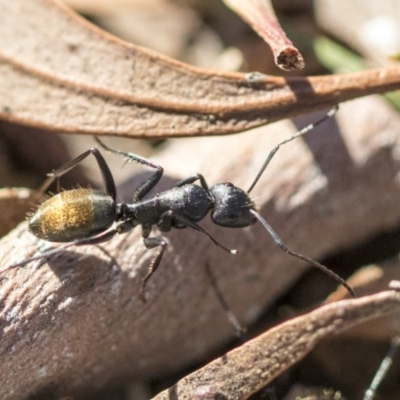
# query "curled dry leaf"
(67, 75)
(260, 15)
(245, 370)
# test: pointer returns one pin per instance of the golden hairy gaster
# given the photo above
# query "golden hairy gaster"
(72, 215)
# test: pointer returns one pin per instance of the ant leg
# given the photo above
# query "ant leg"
(278, 241)
(165, 223)
(149, 183)
(104, 237)
(104, 169)
(192, 179)
(239, 329)
(168, 220)
(306, 129)
(168, 216)
(150, 243)
(123, 227)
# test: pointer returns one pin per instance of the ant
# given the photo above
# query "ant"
(85, 216)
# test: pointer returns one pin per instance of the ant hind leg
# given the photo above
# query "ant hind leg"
(104, 237)
(104, 169)
(149, 183)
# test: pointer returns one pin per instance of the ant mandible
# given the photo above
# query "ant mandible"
(85, 216)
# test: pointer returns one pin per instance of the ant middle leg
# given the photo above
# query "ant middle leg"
(149, 183)
(165, 224)
(150, 243)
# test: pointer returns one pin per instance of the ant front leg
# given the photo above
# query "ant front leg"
(170, 218)
(150, 243)
(148, 184)
(104, 169)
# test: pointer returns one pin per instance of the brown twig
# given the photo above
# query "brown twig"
(261, 17)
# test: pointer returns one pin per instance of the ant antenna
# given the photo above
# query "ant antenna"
(306, 129)
(316, 264)
(274, 236)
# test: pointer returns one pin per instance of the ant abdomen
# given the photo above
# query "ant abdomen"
(72, 215)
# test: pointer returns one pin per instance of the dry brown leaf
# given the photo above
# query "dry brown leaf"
(67, 75)
(260, 15)
(243, 371)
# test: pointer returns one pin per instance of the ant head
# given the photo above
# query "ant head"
(231, 206)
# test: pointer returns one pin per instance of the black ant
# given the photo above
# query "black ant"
(85, 216)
